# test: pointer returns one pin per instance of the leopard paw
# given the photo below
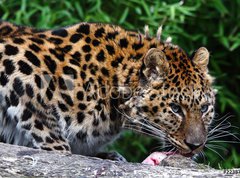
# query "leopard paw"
(115, 156)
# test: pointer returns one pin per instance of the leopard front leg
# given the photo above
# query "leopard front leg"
(45, 132)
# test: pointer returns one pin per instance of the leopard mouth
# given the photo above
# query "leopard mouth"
(184, 150)
(189, 155)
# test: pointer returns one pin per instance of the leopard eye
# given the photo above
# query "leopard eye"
(175, 108)
(204, 108)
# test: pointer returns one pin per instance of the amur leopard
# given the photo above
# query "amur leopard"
(74, 89)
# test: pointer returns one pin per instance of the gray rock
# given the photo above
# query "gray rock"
(16, 161)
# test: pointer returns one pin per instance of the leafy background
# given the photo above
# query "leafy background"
(214, 24)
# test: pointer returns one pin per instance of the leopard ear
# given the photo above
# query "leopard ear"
(156, 64)
(201, 58)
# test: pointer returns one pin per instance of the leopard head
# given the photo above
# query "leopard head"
(175, 98)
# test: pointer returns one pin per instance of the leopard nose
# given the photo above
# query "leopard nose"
(193, 146)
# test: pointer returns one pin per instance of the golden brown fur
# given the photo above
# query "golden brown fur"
(75, 88)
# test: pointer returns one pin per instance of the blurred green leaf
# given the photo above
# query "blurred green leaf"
(124, 16)
(218, 4)
(235, 45)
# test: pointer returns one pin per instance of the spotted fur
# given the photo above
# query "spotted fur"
(75, 88)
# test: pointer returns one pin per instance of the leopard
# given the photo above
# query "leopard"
(75, 89)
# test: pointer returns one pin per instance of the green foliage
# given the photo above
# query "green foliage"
(211, 23)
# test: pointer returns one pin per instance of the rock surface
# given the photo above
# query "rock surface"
(16, 161)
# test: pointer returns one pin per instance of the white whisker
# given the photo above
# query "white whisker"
(162, 147)
(223, 141)
(214, 151)
(218, 125)
(147, 127)
(217, 147)
(224, 133)
(138, 130)
(217, 134)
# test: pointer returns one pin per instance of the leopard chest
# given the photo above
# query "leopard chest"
(98, 127)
